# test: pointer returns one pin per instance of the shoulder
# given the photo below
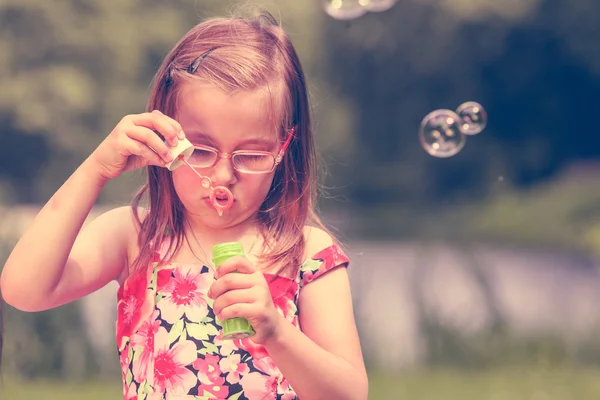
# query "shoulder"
(316, 239)
(120, 219)
(323, 254)
(122, 224)
(100, 251)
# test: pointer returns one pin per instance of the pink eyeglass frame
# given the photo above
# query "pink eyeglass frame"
(277, 158)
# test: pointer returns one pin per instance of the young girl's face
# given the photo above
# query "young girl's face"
(225, 122)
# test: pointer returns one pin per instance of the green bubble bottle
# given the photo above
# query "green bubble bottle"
(233, 328)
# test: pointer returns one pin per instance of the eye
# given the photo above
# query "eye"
(255, 162)
(202, 157)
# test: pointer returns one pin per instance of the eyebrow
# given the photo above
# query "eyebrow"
(256, 141)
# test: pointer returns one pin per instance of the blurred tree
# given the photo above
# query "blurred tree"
(529, 63)
(71, 70)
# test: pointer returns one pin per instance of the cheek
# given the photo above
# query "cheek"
(184, 181)
(257, 187)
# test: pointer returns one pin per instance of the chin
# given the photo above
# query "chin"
(214, 221)
(230, 218)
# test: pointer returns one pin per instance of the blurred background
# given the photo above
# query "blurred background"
(475, 276)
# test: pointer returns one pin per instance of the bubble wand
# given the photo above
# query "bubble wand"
(217, 194)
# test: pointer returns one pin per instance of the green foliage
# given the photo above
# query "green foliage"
(562, 213)
(71, 70)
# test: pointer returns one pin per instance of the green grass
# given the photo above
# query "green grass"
(13, 389)
(498, 384)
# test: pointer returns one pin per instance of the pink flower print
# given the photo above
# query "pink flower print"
(170, 372)
(133, 306)
(162, 278)
(156, 258)
(259, 387)
(124, 360)
(226, 347)
(143, 344)
(287, 308)
(280, 285)
(155, 396)
(233, 367)
(130, 392)
(286, 390)
(177, 397)
(329, 258)
(185, 293)
(267, 365)
(257, 351)
(283, 291)
(214, 390)
(208, 368)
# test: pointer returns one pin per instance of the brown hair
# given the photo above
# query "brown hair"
(239, 54)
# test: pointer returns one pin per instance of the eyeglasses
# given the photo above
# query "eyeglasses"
(246, 161)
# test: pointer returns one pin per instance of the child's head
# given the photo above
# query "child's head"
(230, 82)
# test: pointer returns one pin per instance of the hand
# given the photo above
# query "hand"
(134, 143)
(245, 294)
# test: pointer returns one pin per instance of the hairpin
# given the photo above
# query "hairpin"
(196, 63)
(168, 78)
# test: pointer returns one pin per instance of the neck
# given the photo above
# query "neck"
(206, 236)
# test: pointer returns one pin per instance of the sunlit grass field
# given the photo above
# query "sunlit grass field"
(499, 384)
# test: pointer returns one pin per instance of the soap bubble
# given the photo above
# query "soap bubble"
(472, 116)
(440, 133)
(377, 5)
(344, 9)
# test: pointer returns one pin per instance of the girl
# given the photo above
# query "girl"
(236, 90)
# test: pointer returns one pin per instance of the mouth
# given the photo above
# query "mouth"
(221, 195)
(221, 199)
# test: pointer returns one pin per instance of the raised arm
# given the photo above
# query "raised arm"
(53, 263)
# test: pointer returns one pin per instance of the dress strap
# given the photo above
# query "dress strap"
(161, 253)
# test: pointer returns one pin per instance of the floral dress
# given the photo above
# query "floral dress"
(170, 344)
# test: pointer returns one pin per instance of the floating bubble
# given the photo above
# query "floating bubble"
(473, 117)
(440, 134)
(377, 5)
(344, 9)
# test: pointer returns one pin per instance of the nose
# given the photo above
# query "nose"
(223, 172)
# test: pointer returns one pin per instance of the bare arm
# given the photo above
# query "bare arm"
(40, 273)
(324, 360)
(53, 264)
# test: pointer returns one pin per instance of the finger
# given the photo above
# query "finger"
(141, 150)
(233, 297)
(237, 264)
(150, 139)
(176, 125)
(230, 282)
(238, 310)
(158, 122)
